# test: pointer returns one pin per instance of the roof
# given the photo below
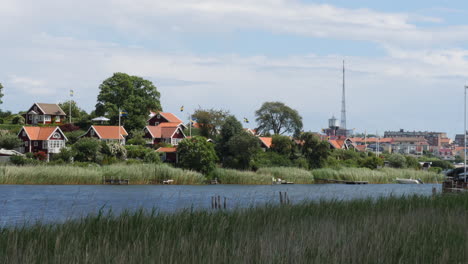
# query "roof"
(266, 141)
(361, 147)
(110, 132)
(166, 150)
(51, 109)
(170, 117)
(40, 133)
(163, 130)
(372, 140)
(410, 139)
(8, 152)
(337, 143)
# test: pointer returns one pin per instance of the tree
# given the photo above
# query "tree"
(279, 118)
(87, 149)
(76, 112)
(396, 160)
(137, 137)
(230, 128)
(18, 120)
(315, 150)
(1, 93)
(242, 149)
(197, 154)
(9, 141)
(133, 94)
(282, 145)
(210, 121)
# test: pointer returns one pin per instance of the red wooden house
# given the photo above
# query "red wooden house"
(47, 139)
(40, 113)
(108, 133)
(157, 118)
(170, 133)
(168, 154)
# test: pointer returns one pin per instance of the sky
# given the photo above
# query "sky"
(406, 61)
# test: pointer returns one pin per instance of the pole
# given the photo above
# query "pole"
(119, 127)
(464, 133)
(70, 111)
(190, 125)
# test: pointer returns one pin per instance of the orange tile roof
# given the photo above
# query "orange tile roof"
(167, 150)
(170, 117)
(372, 140)
(110, 132)
(361, 147)
(162, 131)
(267, 141)
(39, 133)
(336, 143)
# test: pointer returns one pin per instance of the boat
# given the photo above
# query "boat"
(408, 181)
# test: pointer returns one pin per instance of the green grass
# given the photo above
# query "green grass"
(66, 174)
(388, 230)
(263, 176)
(385, 175)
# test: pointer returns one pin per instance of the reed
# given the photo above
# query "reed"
(385, 175)
(263, 176)
(290, 174)
(137, 174)
(388, 230)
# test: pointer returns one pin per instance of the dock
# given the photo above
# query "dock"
(340, 181)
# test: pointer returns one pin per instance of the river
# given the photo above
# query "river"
(57, 203)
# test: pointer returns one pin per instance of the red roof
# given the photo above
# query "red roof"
(336, 143)
(166, 150)
(110, 132)
(163, 130)
(170, 117)
(372, 140)
(40, 133)
(267, 141)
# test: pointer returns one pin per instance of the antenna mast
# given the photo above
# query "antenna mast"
(343, 102)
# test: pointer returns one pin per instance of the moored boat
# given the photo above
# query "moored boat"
(408, 181)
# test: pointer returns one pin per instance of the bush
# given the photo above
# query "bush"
(65, 155)
(197, 154)
(40, 155)
(87, 150)
(136, 151)
(9, 141)
(18, 160)
(435, 169)
(396, 160)
(74, 136)
(372, 162)
(152, 157)
(270, 159)
(18, 120)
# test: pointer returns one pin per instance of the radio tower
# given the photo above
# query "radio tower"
(343, 103)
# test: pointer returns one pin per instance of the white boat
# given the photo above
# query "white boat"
(408, 181)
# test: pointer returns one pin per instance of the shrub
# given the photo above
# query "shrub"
(18, 160)
(9, 141)
(40, 155)
(152, 157)
(87, 149)
(270, 159)
(18, 120)
(197, 154)
(397, 160)
(74, 136)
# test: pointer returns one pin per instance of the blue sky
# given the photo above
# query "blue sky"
(407, 61)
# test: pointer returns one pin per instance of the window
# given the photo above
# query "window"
(24, 133)
(47, 118)
(44, 144)
(92, 133)
(35, 143)
(30, 117)
(57, 118)
(56, 144)
(56, 135)
(156, 123)
(26, 143)
(158, 116)
(35, 109)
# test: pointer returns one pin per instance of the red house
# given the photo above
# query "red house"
(168, 154)
(107, 133)
(157, 118)
(40, 113)
(170, 133)
(48, 139)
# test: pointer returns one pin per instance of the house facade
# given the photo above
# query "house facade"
(40, 113)
(47, 139)
(166, 132)
(168, 154)
(108, 134)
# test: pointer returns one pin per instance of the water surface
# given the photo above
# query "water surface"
(57, 203)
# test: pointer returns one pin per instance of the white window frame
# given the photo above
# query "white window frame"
(56, 135)
(57, 118)
(36, 143)
(24, 133)
(47, 118)
(30, 117)
(44, 144)
(26, 143)
(92, 133)
(156, 123)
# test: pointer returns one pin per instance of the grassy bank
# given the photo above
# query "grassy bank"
(389, 230)
(137, 174)
(385, 175)
(263, 176)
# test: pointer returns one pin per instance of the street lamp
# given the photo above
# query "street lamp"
(464, 134)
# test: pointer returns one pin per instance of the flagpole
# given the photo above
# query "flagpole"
(119, 126)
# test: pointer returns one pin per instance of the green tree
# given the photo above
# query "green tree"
(279, 118)
(396, 160)
(87, 149)
(371, 162)
(282, 145)
(130, 93)
(210, 121)
(1, 93)
(242, 149)
(230, 128)
(137, 137)
(9, 141)
(315, 150)
(17, 120)
(197, 154)
(77, 113)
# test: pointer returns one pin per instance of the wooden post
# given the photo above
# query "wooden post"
(224, 202)
(281, 198)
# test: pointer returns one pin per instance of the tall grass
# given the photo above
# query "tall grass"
(388, 230)
(137, 174)
(263, 176)
(385, 175)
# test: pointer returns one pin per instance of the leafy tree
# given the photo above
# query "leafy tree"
(74, 136)
(242, 148)
(315, 150)
(9, 141)
(130, 93)
(210, 121)
(1, 93)
(152, 157)
(77, 113)
(396, 160)
(197, 154)
(87, 149)
(282, 145)
(279, 118)
(371, 162)
(137, 137)
(412, 162)
(271, 159)
(230, 128)
(18, 120)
